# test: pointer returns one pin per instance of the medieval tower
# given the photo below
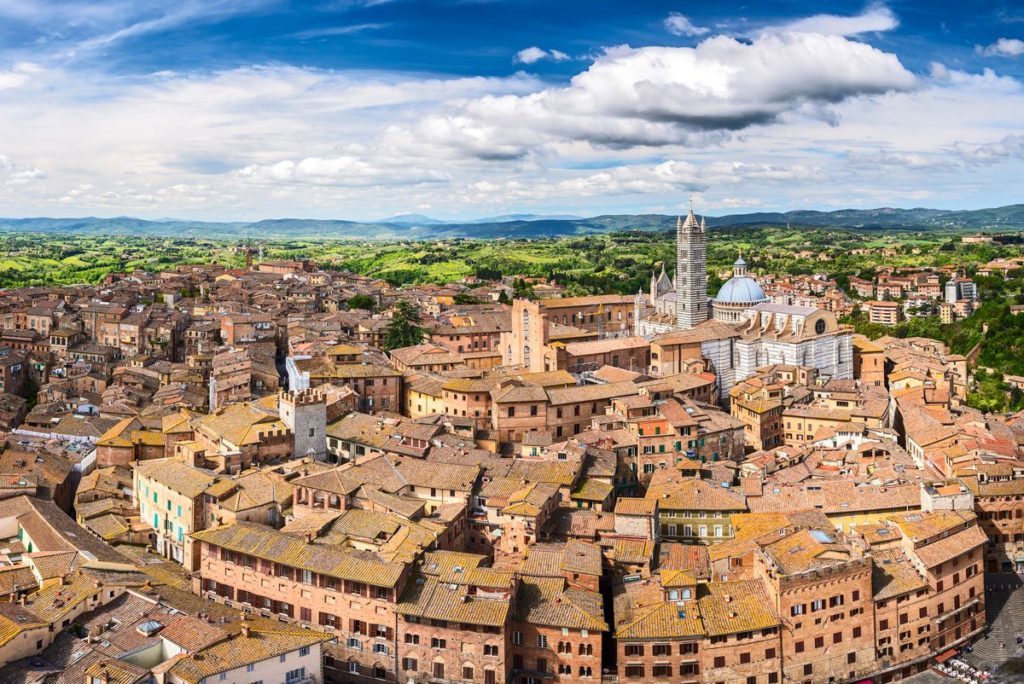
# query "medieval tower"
(305, 413)
(691, 272)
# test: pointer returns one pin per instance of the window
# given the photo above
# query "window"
(744, 658)
(634, 650)
(635, 671)
(467, 672)
(380, 648)
(412, 639)
(517, 638)
(490, 649)
(542, 641)
(353, 667)
(851, 657)
(409, 664)
(304, 651)
(438, 643)
(719, 661)
(819, 642)
(661, 649)
(295, 675)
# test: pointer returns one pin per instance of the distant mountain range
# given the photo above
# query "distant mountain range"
(419, 227)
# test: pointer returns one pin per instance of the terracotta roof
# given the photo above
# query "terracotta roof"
(731, 607)
(176, 475)
(266, 640)
(550, 603)
(275, 546)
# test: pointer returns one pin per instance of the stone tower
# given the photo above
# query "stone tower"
(691, 272)
(305, 414)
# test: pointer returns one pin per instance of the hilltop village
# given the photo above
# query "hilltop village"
(279, 473)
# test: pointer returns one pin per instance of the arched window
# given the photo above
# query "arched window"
(819, 326)
(687, 594)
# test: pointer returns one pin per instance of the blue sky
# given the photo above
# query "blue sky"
(232, 109)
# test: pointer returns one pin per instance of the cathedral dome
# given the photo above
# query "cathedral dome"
(740, 290)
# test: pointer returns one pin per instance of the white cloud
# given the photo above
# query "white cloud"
(679, 25)
(1009, 147)
(535, 54)
(876, 17)
(347, 30)
(345, 170)
(782, 120)
(737, 203)
(18, 75)
(656, 96)
(1004, 47)
(12, 173)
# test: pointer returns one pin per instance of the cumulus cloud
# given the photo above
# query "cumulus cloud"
(679, 25)
(1010, 147)
(654, 96)
(345, 170)
(1004, 47)
(18, 75)
(17, 174)
(535, 54)
(874, 18)
(737, 202)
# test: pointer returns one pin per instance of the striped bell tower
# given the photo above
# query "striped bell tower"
(691, 272)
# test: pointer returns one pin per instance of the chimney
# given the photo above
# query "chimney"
(246, 629)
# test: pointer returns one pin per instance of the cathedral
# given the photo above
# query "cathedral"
(740, 329)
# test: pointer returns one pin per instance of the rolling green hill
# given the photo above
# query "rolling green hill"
(414, 227)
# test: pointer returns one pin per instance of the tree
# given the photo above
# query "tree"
(404, 328)
(362, 301)
(31, 390)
